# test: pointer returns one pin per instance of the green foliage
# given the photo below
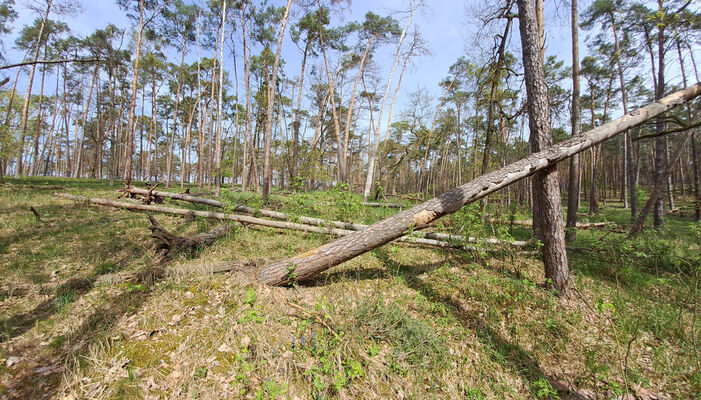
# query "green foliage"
(413, 341)
(62, 300)
(271, 390)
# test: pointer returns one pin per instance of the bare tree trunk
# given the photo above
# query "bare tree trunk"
(576, 120)
(495, 77)
(341, 173)
(547, 215)
(8, 117)
(308, 265)
(694, 156)
(171, 141)
(295, 123)
(660, 156)
(80, 150)
(217, 145)
(132, 103)
(372, 156)
(247, 146)
(270, 112)
(37, 126)
(30, 82)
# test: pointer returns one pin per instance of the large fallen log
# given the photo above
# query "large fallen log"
(309, 264)
(245, 219)
(350, 226)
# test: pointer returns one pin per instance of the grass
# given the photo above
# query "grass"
(397, 322)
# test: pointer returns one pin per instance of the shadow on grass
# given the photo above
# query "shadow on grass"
(42, 376)
(67, 292)
(510, 355)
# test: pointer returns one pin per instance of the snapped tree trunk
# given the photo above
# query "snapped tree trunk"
(310, 264)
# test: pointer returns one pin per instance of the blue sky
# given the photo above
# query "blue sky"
(446, 25)
(443, 24)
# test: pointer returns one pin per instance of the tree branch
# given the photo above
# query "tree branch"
(78, 60)
(670, 131)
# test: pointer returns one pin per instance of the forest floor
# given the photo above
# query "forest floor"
(401, 321)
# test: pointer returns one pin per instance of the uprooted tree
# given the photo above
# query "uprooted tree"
(309, 264)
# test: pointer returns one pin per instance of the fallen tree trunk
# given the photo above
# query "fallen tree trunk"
(529, 222)
(245, 219)
(191, 244)
(315, 221)
(388, 205)
(309, 264)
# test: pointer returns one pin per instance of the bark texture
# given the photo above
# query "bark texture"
(573, 182)
(310, 264)
(547, 206)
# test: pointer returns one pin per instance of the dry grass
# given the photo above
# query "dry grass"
(398, 322)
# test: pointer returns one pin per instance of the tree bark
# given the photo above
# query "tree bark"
(310, 264)
(374, 147)
(25, 106)
(270, 112)
(217, 144)
(171, 141)
(547, 210)
(660, 155)
(341, 173)
(576, 120)
(132, 103)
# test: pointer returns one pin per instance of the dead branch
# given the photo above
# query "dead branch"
(77, 60)
(36, 214)
(170, 243)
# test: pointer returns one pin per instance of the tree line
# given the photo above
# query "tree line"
(157, 102)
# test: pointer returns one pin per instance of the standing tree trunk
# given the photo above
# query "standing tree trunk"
(372, 156)
(547, 215)
(294, 171)
(629, 180)
(171, 142)
(80, 149)
(576, 119)
(660, 154)
(37, 125)
(247, 147)
(495, 78)
(217, 144)
(694, 156)
(132, 103)
(270, 112)
(25, 106)
(341, 173)
(8, 117)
